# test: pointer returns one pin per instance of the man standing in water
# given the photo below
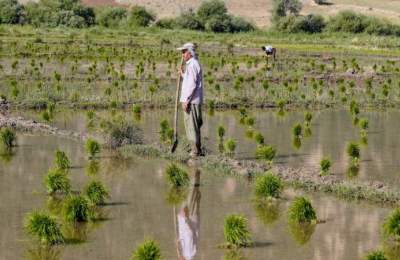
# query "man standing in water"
(192, 96)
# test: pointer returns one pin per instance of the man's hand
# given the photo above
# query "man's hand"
(186, 107)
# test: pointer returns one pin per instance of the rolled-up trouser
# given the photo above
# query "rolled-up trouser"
(193, 122)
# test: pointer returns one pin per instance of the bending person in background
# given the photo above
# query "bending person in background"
(189, 222)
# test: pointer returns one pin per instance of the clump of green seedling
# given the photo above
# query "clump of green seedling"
(43, 227)
(166, 132)
(230, 146)
(176, 176)
(92, 147)
(266, 152)
(96, 193)
(57, 180)
(297, 130)
(8, 137)
(61, 160)
(301, 211)
(325, 165)
(308, 117)
(268, 186)
(391, 226)
(148, 250)
(364, 125)
(221, 133)
(376, 255)
(353, 151)
(236, 231)
(77, 209)
(259, 138)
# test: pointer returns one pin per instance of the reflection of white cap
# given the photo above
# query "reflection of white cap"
(190, 47)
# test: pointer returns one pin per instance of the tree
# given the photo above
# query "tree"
(139, 16)
(211, 9)
(11, 12)
(283, 7)
(111, 16)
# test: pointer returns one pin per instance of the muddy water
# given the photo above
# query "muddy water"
(331, 131)
(139, 210)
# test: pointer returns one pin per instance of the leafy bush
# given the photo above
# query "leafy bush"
(238, 24)
(167, 23)
(57, 180)
(301, 211)
(190, 21)
(176, 176)
(11, 12)
(295, 24)
(236, 231)
(347, 21)
(96, 192)
(139, 16)
(44, 227)
(268, 185)
(111, 16)
(149, 250)
(211, 9)
(282, 8)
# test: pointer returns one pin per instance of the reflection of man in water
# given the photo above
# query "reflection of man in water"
(189, 222)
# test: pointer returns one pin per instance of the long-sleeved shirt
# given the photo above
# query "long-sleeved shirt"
(192, 84)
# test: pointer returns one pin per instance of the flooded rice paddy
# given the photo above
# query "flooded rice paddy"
(139, 207)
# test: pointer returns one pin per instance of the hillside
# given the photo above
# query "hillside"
(259, 11)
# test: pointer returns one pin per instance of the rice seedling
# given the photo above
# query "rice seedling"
(8, 137)
(43, 227)
(301, 211)
(46, 116)
(259, 138)
(230, 146)
(376, 255)
(353, 151)
(92, 147)
(57, 180)
(250, 121)
(268, 186)
(148, 250)
(249, 133)
(236, 231)
(221, 133)
(391, 226)
(325, 165)
(266, 152)
(176, 176)
(137, 109)
(352, 171)
(96, 193)
(166, 132)
(176, 195)
(92, 168)
(76, 209)
(297, 130)
(61, 160)
(307, 132)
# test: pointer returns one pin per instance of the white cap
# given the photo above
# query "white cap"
(187, 46)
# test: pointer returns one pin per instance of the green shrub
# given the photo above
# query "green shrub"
(111, 16)
(347, 21)
(92, 147)
(282, 8)
(61, 160)
(8, 137)
(149, 250)
(57, 180)
(391, 226)
(265, 152)
(176, 176)
(301, 211)
(96, 192)
(236, 231)
(268, 185)
(76, 209)
(376, 255)
(211, 9)
(190, 21)
(167, 23)
(238, 24)
(139, 16)
(11, 12)
(44, 227)
(230, 145)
